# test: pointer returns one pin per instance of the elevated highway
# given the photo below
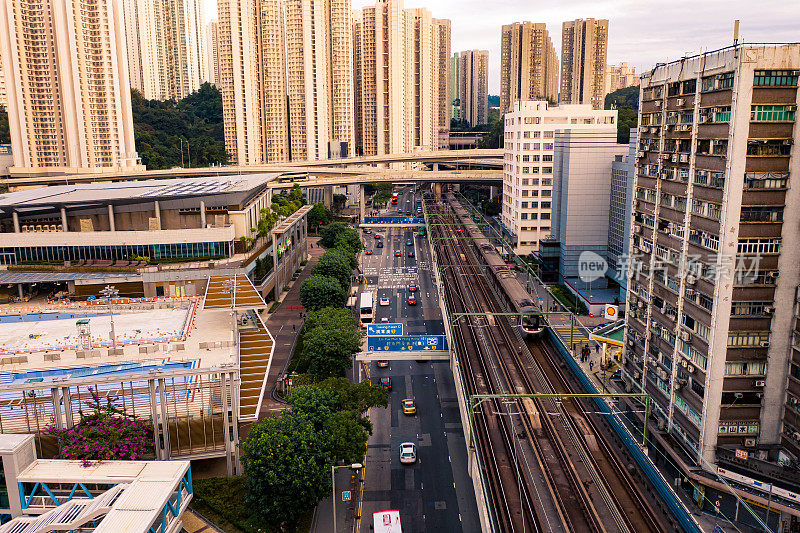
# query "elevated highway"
(353, 170)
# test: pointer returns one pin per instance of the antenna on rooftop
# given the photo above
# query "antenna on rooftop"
(736, 31)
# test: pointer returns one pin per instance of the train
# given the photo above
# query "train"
(518, 299)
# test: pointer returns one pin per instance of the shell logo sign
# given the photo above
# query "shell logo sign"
(611, 312)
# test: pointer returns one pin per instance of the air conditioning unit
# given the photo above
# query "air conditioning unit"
(768, 310)
(674, 158)
(791, 108)
(690, 293)
(630, 343)
(687, 338)
(641, 305)
(691, 279)
(637, 227)
(665, 156)
(640, 154)
(678, 386)
(636, 374)
(657, 103)
(679, 101)
(684, 158)
(787, 142)
(764, 344)
(796, 435)
(684, 364)
(750, 443)
(654, 363)
(759, 383)
(738, 395)
(773, 274)
(691, 369)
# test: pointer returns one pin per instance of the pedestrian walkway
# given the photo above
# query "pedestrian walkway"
(226, 292)
(256, 347)
(284, 324)
(194, 523)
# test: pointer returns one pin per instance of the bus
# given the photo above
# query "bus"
(422, 231)
(394, 198)
(387, 521)
(365, 308)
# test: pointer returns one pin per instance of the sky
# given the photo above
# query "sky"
(642, 33)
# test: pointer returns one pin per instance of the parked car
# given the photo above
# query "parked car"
(383, 364)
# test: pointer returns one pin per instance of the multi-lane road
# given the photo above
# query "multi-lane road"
(436, 493)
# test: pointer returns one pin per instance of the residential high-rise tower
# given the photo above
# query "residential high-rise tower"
(403, 87)
(474, 86)
(212, 53)
(584, 47)
(620, 76)
(252, 79)
(69, 106)
(165, 47)
(528, 64)
(320, 76)
(712, 322)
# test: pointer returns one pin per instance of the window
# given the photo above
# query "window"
(547, 170)
(761, 214)
(775, 78)
(524, 205)
(772, 113)
(766, 180)
(548, 135)
(745, 368)
(749, 308)
(759, 246)
(545, 205)
(717, 82)
(747, 338)
(525, 181)
(547, 181)
(526, 135)
(524, 216)
(525, 158)
(547, 157)
(545, 216)
(769, 147)
(548, 146)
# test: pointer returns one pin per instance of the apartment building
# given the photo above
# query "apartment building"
(528, 64)
(319, 76)
(712, 328)
(584, 47)
(558, 154)
(455, 86)
(253, 80)
(3, 96)
(403, 79)
(623, 170)
(211, 73)
(620, 76)
(474, 86)
(66, 73)
(165, 47)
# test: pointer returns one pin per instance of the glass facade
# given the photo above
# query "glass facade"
(13, 255)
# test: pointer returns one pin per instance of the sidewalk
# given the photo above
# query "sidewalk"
(280, 325)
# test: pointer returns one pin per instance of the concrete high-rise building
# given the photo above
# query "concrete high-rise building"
(212, 53)
(165, 47)
(66, 72)
(320, 76)
(584, 47)
(712, 322)
(252, 79)
(3, 97)
(620, 76)
(474, 86)
(455, 87)
(623, 170)
(528, 64)
(556, 175)
(403, 87)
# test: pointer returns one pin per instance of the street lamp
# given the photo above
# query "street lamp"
(110, 292)
(354, 466)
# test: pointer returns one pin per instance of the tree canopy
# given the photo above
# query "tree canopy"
(330, 232)
(317, 292)
(625, 97)
(5, 133)
(626, 101)
(335, 265)
(319, 215)
(494, 139)
(160, 126)
(287, 467)
(348, 240)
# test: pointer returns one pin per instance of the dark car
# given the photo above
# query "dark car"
(379, 244)
(413, 287)
(408, 213)
(386, 383)
(412, 300)
(383, 364)
(368, 252)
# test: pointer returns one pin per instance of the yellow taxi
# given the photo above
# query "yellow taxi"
(409, 407)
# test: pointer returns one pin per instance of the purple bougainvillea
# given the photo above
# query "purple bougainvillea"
(104, 435)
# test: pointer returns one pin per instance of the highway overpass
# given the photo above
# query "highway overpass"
(352, 170)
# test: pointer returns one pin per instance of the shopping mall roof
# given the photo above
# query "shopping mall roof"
(84, 194)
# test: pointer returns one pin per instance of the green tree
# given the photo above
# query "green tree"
(356, 397)
(330, 232)
(349, 240)
(317, 292)
(625, 97)
(5, 133)
(494, 139)
(345, 252)
(339, 202)
(384, 193)
(327, 353)
(319, 216)
(347, 435)
(334, 265)
(331, 318)
(287, 467)
(491, 208)
(315, 403)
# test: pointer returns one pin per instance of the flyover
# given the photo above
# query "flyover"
(349, 171)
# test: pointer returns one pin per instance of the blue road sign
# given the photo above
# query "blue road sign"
(393, 220)
(406, 343)
(384, 329)
(346, 496)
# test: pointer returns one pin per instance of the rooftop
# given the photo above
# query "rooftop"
(167, 189)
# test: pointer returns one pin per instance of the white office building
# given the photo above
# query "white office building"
(557, 154)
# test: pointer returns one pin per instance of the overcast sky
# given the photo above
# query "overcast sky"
(641, 32)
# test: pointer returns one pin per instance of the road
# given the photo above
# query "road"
(436, 493)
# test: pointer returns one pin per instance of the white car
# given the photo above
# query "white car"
(408, 453)
(384, 301)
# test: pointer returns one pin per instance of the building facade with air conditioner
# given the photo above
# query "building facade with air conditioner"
(712, 328)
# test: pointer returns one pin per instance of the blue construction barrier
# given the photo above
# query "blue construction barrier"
(680, 513)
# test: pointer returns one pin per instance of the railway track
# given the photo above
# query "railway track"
(546, 465)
